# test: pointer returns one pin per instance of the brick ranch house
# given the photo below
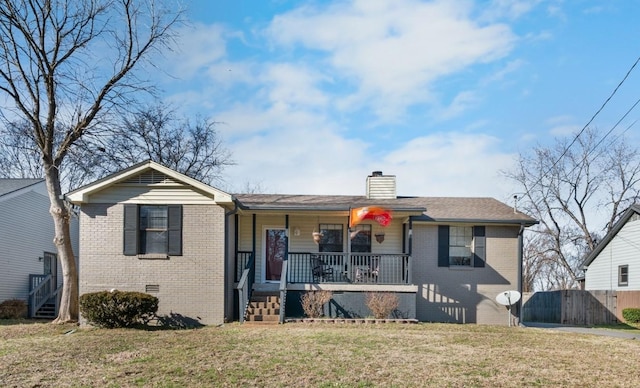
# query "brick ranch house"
(206, 253)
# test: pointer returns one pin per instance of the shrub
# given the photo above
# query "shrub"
(111, 309)
(314, 301)
(381, 304)
(13, 309)
(631, 315)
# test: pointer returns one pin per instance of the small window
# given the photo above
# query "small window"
(623, 275)
(331, 240)
(361, 241)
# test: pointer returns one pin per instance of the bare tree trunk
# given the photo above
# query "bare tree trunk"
(68, 311)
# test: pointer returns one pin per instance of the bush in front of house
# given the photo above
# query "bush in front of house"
(631, 315)
(313, 302)
(112, 309)
(13, 309)
(382, 304)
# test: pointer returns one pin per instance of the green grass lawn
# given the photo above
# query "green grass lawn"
(318, 355)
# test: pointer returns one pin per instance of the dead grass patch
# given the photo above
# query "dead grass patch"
(315, 355)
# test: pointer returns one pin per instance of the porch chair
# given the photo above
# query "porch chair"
(320, 270)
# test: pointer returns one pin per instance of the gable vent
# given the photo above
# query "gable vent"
(149, 178)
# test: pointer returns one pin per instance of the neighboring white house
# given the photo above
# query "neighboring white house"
(26, 237)
(615, 262)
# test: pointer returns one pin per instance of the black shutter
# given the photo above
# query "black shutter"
(479, 246)
(130, 230)
(443, 245)
(175, 230)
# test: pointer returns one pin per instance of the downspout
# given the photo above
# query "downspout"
(520, 258)
(230, 279)
(410, 250)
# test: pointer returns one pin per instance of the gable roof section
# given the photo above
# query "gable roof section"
(13, 185)
(81, 195)
(633, 209)
(427, 209)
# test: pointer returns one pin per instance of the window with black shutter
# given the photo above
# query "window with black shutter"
(461, 246)
(153, 229)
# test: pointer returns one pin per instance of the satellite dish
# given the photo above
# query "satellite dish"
(508, 298)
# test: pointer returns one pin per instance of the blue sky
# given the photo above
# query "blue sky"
(312, 96)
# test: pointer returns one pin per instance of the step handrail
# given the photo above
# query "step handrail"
(245, 288)
(40, 294)
(283, 289)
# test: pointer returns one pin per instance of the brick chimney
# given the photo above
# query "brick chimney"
(381, 186)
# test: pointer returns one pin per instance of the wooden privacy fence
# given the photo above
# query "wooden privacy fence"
(578, 307)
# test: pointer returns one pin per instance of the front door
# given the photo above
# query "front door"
(51, 268)
(275, 243)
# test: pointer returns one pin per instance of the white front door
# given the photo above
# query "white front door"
(274, 243)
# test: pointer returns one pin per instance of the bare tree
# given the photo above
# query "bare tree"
(192, 147)
(66, 66)
(19, 155)
(577, 190)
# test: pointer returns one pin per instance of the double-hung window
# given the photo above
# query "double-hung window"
(461, 246)
(361, 242)
(331, 240)
(152, 229)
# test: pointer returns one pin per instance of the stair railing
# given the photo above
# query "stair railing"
(245, 287)
(283, 289)
(41, 286)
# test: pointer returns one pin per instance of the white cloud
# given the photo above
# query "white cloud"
(393, 50)
(282, 114)
(196, 48)
(294, 85)
(511, 9)
(452, 164)
(460, 104)
(316, 160)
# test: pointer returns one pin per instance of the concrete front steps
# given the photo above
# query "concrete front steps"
(264, 307)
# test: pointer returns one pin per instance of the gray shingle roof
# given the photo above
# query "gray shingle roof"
(9, 185)
(431, 208)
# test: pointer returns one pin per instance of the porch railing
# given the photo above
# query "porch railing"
(41, 287)
(354, 268)
(245, 287)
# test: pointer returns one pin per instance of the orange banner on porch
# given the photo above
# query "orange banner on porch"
(380, 215)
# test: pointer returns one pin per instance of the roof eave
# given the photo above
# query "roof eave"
(429, 219)
(323, 208)
(612, 233)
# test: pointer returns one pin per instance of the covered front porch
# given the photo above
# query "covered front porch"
(338, 267)
(348, 276)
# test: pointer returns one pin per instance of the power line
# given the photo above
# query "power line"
(577, 136)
